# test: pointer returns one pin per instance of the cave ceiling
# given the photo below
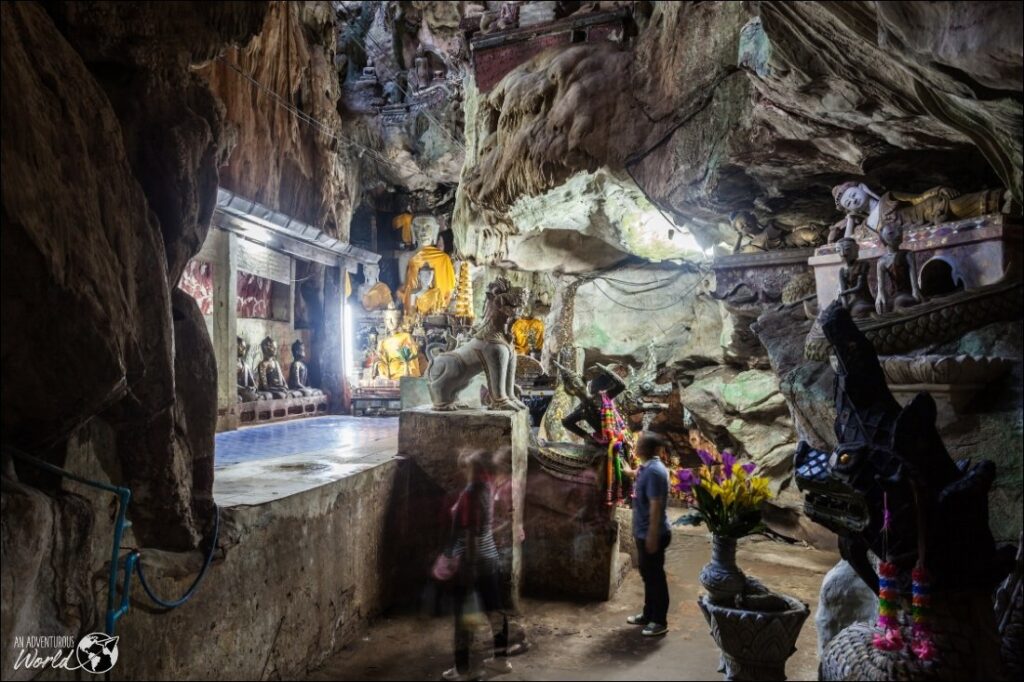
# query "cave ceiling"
(696, 111)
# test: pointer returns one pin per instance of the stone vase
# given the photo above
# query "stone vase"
(756, 641)
(721, 577)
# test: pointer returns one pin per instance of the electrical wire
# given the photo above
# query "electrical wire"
(323, 128)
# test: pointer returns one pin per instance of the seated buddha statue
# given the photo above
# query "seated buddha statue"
(247, 388)
(374, 294)
(397, 352)
(298, 374)
(427, 299)
(427, 229)
(271, 377)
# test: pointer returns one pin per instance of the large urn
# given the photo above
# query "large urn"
(721, 577)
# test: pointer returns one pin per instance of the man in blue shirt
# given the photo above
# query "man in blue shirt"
(651, 532)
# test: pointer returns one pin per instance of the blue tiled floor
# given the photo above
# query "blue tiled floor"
(302, 436)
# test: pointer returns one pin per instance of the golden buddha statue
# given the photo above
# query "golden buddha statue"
(374, 294)
(528, 331)
(397, 352)
(427, 229)
(427, 299)
(527, 335)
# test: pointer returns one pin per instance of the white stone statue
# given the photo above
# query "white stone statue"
(489, 350)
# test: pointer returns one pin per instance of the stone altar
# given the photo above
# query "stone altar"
(975, 252)
(433, 440)
(572, 545)
(748, 284)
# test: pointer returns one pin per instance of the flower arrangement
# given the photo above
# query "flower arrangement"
(724, 494)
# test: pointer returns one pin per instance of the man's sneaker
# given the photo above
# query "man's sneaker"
(653, 629)
(453, 675)
(498, 665)
(638, 619)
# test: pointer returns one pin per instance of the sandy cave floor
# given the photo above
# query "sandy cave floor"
(573, 641)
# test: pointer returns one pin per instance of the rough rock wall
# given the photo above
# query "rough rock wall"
(306, 170)
(110, 163)
(762, 106)
(420, 148)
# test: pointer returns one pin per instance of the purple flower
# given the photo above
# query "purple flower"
(687, 480)
(728, 459)
(748, 467)
(706, 458)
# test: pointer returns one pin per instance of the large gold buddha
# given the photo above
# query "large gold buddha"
(427, 229)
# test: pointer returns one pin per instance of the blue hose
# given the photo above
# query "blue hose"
(195, 583)
(133, 561)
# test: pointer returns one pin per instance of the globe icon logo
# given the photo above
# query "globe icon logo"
(97, 652)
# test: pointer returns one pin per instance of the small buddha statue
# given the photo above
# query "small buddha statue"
(866, 209)
(397, 352)
(421, 69)
(853, 279)
(528, 331)
(269, 371)
(298, 374)
(247, 389)
(374, 294)
(427, 299)
(897, 274)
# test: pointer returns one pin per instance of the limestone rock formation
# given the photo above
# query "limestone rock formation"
(747, 410)
(173, 128)
(111, 147)
(758, 106)
(305, 168)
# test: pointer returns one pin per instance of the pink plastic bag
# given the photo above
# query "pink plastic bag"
(445, 567)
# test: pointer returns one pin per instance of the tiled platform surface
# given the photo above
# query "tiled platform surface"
(258, 464)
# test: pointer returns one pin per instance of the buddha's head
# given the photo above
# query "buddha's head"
(848, 249)
(745, 223)
(392, 318)
(851, 197)
(371, 274)
(426, 230)
(425, 277)
(299, 350)
(243, 347)
(269, 348)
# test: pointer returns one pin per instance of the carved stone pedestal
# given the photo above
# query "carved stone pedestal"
(756, 642)
(572, 547)
(433, 440)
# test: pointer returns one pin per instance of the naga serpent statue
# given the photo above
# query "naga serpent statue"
(891, 487)
(489, 350)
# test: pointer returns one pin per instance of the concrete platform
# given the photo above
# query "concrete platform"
(258, 464)
(592, 641)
